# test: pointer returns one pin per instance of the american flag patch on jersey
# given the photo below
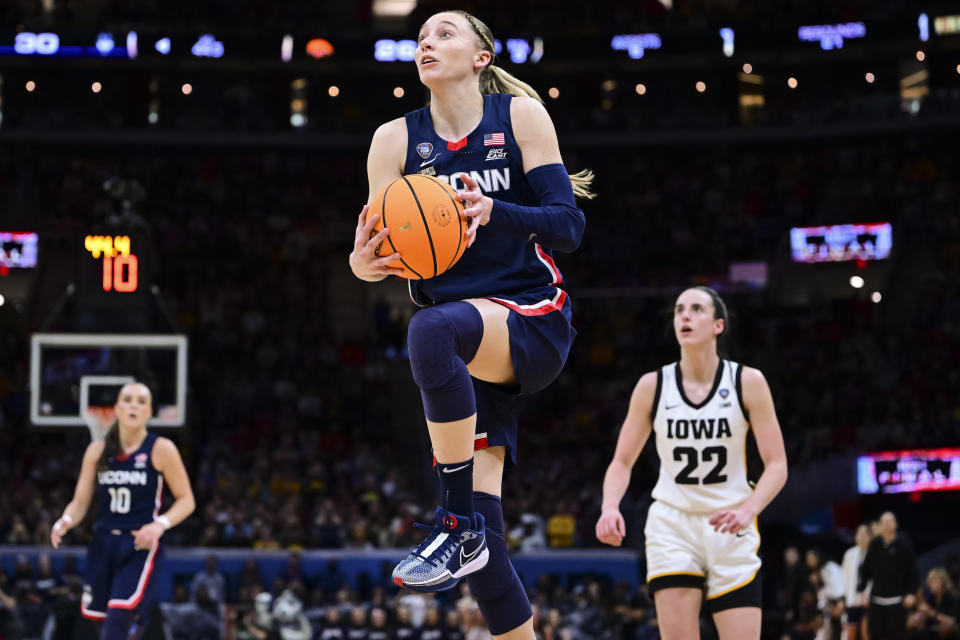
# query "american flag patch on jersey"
(493, 139)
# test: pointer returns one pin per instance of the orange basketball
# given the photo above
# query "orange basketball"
(426, 222)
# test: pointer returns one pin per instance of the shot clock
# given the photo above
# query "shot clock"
(120, 266)
(115, 268)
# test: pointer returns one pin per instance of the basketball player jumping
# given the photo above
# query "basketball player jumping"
(701, 529)
(127, 469)
(497, 324)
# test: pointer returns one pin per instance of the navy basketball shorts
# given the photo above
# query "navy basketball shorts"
(541, 335)
(117, 575)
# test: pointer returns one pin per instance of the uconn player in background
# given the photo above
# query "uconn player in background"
(701, 532)
(495, 325)
(127, 470)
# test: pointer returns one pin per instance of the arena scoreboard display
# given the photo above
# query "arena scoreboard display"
(39, 41)
(909, 471)
(18, 250)
(119, 265)
(114, 267)
(841, 242)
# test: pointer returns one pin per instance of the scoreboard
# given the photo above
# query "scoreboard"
(841, 242)
(119, 265)
(115, 267)
(18, 250)
(909, 471)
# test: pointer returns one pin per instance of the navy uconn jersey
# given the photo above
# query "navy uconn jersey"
(129, 490)
(505, 267)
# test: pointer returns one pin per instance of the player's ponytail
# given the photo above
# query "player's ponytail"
(494, 79)
(111, 445)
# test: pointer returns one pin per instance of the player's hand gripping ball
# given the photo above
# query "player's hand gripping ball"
(426, 223)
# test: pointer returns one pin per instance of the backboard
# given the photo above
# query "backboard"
(75, 377)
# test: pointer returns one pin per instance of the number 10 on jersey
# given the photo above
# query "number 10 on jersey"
(119, 499)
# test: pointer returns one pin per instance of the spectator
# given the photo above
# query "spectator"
(891, 566)
(257, 622)
(357, 630)
(827, 579)
(938, 613)
(852, 560)
(211, 580)
(315, 610)
(378, 625)
(65, 618)
(197, 620)
(47, 585)
(404, 628)
(10, 625)
(288, 617)
(561, 527)
(529, 534)
(31, 610)
(69, 575)
(795, 580)
(418, 603)
(632, 610)
(587, 619)
(181, 594)
(476, 626)
(432, 627)
(452, 626)
(332, 628)
(18, 531)
(328, 527)
(808, 620)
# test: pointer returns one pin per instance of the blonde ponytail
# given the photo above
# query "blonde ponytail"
(581, 181)
(494, 79)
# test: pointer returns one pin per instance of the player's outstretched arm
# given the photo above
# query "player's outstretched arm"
(167, 460)
(636, 428)
(384, 164)
(82, 494)
(766, 429)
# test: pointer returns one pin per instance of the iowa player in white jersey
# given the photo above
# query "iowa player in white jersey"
(701, 532)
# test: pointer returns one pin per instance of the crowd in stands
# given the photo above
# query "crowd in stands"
(811, 595)
(815, 596)
(35, 603)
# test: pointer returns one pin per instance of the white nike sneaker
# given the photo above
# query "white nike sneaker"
(451, 551)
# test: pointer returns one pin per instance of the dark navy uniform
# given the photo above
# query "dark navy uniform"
(504, 267)
(117, 575)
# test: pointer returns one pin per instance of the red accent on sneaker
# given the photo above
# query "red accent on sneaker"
(450, 521)
(398, 581)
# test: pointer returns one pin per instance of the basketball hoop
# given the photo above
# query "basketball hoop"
(98, 420)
